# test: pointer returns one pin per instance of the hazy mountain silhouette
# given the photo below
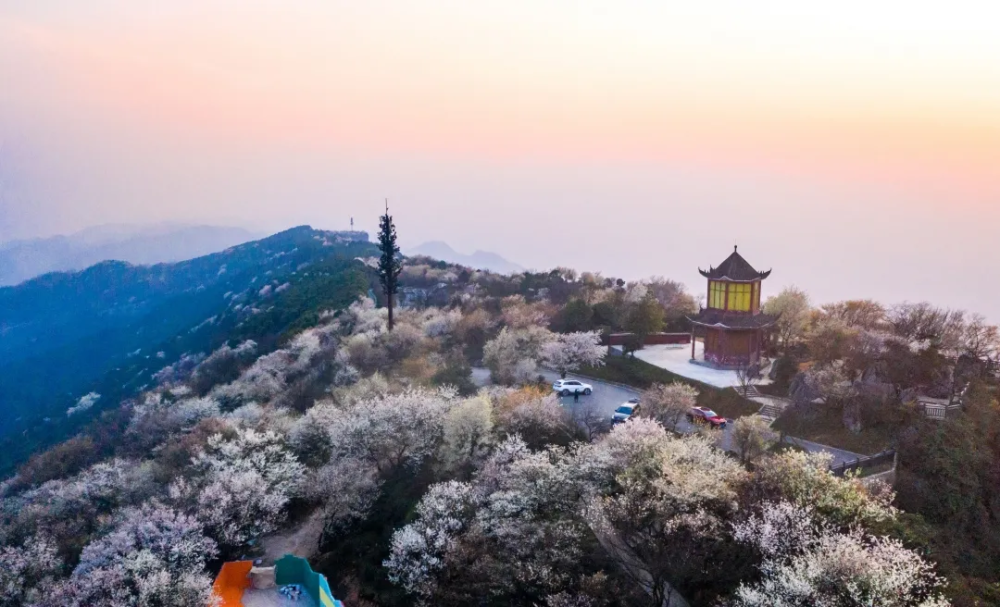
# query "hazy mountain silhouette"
(21, 260)
(480, 260)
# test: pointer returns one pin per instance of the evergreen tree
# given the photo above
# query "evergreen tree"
(389, 264)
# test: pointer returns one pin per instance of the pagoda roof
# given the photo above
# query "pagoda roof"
(711, 317)
(734, 268)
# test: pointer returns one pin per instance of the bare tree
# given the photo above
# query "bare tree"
(980, 340)
(751, 438)
(590, 420)
(747, 375)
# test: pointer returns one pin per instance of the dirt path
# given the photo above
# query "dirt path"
(300, 541)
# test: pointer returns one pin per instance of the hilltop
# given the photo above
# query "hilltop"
(22, 260)
(109, 328)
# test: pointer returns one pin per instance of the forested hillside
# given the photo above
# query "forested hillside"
(406, 482)
(74, 344)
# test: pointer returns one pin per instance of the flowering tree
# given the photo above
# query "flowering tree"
(154, 417)
(70, 510)
(512, 355)
(751, 438)
(347, 488)
(808, 563)
(668, 403)
(534, 415)
(391, 430)
(245, 484)
(656, 501)
(27, 571)
(220, 367)
(805, 480)
(792, 306)
(467, 433)
(512, 533)
(419, 550)
(85, 402)
(152, 556)
(438, 323)
(569, 351)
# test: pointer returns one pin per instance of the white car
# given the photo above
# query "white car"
(566, 387)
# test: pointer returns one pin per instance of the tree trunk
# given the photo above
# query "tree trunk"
(388, 297)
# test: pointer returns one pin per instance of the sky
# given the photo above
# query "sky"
(853, 147)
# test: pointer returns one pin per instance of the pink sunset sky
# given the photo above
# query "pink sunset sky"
(853, 146)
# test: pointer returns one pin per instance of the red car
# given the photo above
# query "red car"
(703, 415)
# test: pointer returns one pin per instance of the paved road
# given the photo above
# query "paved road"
(839, 455)
(606, 398)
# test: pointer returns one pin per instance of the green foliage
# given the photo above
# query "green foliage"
(645, 318)
(390, 264)
(785, 369)
(604, 315)
(457, 374)
(948, 474)
(574, 316)
(882, 423)
(64, 460)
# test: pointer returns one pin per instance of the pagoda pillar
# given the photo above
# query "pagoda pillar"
(692, 342)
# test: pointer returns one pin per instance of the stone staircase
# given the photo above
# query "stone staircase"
(771, 407)
(750, 391)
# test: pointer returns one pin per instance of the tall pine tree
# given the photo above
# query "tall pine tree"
(389, 264)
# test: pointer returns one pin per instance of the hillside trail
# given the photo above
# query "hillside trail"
(302, 540)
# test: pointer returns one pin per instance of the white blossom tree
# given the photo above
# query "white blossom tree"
(569, 351)
(808, 563)
(668, 403)
(467, 433)
(511, 532)
(153, 556)
(792, 306)
(347, 488)
(419, 549)
(656, 500)
(508, 358)
(390, 431)
(84, 403)
(27, 571)
(244, 485)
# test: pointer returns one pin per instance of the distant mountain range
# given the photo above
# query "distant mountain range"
(480, 260)
(21, 260)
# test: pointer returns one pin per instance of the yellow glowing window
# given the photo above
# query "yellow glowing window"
(739, 296)
(717, 295)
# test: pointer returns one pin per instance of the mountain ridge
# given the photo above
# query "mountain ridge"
(479, 259)
(22, 260)
(108, 328)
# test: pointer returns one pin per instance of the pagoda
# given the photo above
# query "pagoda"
(733, 327)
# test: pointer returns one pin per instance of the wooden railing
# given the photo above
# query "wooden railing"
(885, 457)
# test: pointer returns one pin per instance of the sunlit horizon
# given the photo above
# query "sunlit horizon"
(854, 147)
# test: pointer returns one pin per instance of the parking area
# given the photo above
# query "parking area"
(606, 398)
